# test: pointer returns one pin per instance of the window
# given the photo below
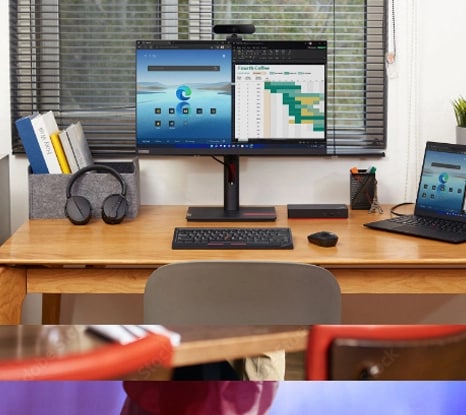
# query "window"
(77, 59)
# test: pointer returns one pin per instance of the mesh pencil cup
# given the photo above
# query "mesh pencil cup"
(362, 189)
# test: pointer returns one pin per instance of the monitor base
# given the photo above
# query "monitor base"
(219, 214)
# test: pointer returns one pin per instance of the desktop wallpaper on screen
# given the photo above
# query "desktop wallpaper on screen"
(184, 102)
(443, 182)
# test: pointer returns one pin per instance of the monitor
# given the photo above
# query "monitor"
(231, 98)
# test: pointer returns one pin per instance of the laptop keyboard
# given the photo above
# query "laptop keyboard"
(232, 238)
(435, 224)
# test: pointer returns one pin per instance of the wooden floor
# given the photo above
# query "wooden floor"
(295, 366)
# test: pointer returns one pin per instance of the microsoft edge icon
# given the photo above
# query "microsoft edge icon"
(443, 178)
(183, 92)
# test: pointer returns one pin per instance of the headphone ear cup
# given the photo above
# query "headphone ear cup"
(78, 210)
(114, 209)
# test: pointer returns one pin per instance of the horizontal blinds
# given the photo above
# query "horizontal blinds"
(355, 32)
(77, 59)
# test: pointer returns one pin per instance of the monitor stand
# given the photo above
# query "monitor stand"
(231, 211)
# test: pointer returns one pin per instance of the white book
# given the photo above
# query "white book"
(125, 334)
(80, 146)
(44, 125)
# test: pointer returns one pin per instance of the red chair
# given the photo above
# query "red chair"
(113, 361)
(390, 352)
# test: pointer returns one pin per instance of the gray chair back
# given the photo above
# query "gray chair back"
(242, 293)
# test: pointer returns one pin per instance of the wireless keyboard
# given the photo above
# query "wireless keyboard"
(232, 238)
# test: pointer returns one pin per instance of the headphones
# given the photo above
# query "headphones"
(78, 209)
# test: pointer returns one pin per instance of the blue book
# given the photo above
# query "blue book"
(31, 145)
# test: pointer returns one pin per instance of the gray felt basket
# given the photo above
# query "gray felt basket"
(47, 192)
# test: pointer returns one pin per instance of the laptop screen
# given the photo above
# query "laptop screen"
(441, 191)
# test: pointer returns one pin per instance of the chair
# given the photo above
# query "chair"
(112, 361)
(241, 292)
(236, 292)
(393, 352)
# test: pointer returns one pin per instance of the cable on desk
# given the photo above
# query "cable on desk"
(393, 209)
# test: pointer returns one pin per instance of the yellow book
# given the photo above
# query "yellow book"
(62, 160)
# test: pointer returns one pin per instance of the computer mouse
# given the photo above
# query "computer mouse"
(323, 238)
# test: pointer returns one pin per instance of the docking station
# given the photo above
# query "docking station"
(318, 211)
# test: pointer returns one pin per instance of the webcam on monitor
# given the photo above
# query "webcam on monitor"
(234, 29)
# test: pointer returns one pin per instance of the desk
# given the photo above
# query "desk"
(198, 345)
(52, 256)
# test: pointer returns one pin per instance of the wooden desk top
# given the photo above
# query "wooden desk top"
(146, 242)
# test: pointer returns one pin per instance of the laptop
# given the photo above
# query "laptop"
(440, 211)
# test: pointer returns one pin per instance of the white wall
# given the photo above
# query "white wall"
(429, 73)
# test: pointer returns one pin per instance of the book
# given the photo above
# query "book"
(125, 334)
(34, 131)
(44, 126)
(69, 152)
(31, 145)
(79, 144)
(61, 156)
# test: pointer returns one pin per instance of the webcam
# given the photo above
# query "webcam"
(233, 29)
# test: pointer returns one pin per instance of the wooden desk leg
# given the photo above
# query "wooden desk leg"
(12, 294)
(51, 308)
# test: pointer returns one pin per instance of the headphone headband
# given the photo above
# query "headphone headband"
(95, 167)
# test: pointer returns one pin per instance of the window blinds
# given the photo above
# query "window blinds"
(77, 59)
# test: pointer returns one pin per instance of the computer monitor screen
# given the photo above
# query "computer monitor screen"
(279, 96)
(231, 98)
(183, 96)
(220, 97)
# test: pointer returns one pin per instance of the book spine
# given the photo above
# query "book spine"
(45, 143)
(31, 145)
(80, 146)
(69, 151)
(61, 156)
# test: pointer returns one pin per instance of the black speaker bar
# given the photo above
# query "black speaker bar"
(245, 29)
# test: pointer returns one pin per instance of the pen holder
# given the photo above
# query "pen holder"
(362, 190)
